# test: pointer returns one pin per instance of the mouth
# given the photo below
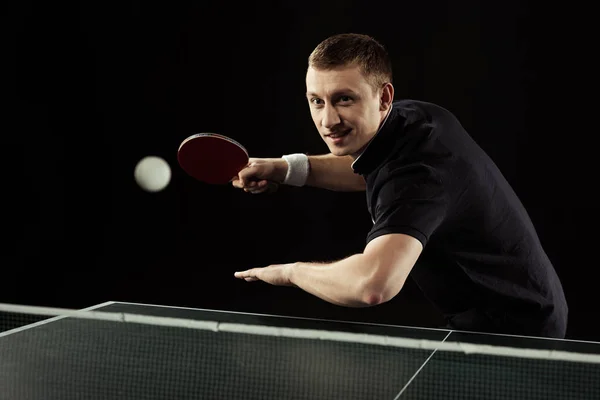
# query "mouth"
(339, 135)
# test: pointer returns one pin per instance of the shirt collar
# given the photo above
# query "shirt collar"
(373, 150)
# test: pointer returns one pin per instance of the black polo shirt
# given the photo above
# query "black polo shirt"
(482, 265)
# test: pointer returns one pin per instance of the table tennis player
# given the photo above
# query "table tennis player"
(442, 211)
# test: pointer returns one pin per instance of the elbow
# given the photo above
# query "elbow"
(376, 293)
(371, 299)
(381, 278)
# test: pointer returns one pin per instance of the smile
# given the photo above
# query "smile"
(339, 134)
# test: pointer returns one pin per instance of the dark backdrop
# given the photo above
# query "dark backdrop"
(92, 87)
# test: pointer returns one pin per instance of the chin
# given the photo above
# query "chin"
(336, 151)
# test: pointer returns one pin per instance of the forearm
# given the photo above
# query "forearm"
(343, 282)
(334, 173)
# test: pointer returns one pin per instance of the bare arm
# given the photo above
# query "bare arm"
(365, 279)
(362, 280)
(327, 171)
(334, 173)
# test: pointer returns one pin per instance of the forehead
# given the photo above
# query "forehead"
(325, 82)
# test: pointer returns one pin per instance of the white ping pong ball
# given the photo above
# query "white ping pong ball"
(152, 173)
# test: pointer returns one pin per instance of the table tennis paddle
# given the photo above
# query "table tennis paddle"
(212, 158)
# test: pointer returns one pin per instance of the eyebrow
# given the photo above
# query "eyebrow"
(336, 93)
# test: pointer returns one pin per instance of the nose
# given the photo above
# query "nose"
(330, 117)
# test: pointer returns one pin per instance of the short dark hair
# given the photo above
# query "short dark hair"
(349, 49)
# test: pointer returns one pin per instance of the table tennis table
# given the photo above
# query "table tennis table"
(62, 358)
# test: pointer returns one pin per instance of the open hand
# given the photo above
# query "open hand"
(278, 274)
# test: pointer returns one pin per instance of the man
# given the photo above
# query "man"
(442, 211)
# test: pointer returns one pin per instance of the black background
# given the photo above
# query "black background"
(92, 87)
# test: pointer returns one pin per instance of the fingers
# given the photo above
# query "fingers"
(246, 178)
(251, 186)
(242, 274)
(252, 178)
(257, 187)
(248, 276)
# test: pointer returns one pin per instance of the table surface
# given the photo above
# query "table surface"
(70, 358)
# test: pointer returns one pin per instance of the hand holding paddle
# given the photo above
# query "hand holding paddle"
(216, 159)
(260, 175)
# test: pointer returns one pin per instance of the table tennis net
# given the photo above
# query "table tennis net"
(54, 353)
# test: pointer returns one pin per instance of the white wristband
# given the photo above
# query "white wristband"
(298, 169)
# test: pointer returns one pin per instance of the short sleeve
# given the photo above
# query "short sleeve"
(408, 199)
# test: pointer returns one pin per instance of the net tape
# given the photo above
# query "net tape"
(301, 333)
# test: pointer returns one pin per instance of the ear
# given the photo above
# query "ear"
(387, 97)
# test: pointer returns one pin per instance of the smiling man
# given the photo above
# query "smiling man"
(442, 212)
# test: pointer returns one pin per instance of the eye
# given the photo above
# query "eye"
(345, 99)
(316, 101)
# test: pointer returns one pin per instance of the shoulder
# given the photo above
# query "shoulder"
(415, 111)
(419, 106)
(398, 180)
